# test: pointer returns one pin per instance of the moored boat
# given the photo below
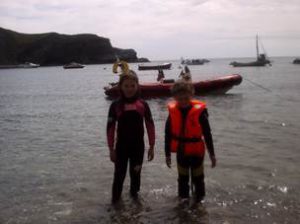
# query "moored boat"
(194, 61)
(28, 65)
(155, 67)
(218, 85)
(25, 65)
(73, 65)
(261, 59)
(296, 61)
(257, 63)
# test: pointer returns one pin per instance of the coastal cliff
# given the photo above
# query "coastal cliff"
(59, 49)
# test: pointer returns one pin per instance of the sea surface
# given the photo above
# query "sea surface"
(55, 166)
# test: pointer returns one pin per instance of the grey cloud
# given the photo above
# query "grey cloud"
(168, 28)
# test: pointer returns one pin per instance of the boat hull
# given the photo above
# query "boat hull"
(212, 86)
(250, 64)
(17, 66)
(26, 65)
(194, 62)
(296, 61)
(155, 67)
(73, 67)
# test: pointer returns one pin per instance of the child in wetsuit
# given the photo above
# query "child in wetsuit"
(129, 113)
(187, 132)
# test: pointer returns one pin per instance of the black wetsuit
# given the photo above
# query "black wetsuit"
(130, 146)
(185, 163)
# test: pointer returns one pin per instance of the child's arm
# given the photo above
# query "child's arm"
(110, 130)
(203, 119)
(168, 142)
(150, 130)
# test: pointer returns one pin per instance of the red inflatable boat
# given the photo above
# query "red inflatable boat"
(218, 85)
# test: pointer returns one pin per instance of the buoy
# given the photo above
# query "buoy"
(123, 65)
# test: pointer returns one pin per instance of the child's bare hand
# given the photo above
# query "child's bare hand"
(213, 161)
(112, 155)
(168, 161)
(150, 153)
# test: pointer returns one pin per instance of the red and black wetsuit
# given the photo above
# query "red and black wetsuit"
(187, 163)
(129, 115)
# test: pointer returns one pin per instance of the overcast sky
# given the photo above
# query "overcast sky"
(167, 29)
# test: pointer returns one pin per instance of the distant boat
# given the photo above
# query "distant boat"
(155, 67)
(194, 61)
(296, 61)
(261, 59)
(28, 65)
(25, 65)
(73, 65)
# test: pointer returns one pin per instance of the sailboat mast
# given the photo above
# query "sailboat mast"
(257, 48)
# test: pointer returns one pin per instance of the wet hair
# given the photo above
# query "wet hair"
(182, 87)
(130, 75)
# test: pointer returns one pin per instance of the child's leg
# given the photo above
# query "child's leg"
(198, 177)
(183, 176)
(135, 167)
(119, 176)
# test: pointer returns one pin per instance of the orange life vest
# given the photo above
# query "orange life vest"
(191, 137)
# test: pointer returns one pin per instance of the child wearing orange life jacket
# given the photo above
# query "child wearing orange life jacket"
(188, 133)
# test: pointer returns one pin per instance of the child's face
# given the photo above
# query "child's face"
(183, 100)
(129, 88)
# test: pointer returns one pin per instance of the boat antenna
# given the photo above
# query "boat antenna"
(263, 48)
(257, 48)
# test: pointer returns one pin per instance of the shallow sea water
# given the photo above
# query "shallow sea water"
(55, 166)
